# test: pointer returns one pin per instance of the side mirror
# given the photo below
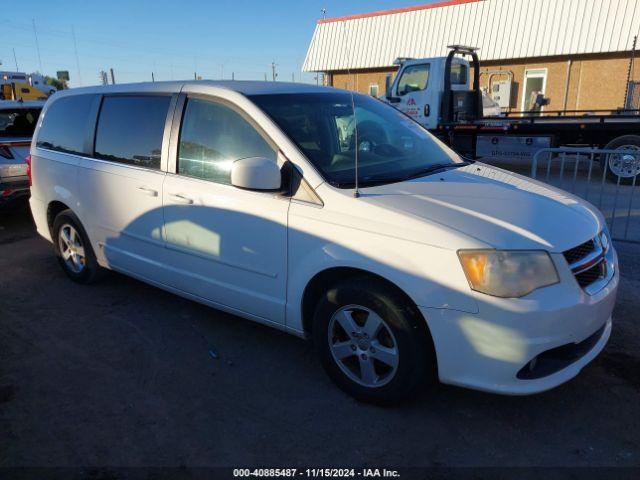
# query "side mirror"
(256, 173)
(388, 94)
(387, 87)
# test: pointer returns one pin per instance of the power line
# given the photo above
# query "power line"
(75, 48)
(35, 34)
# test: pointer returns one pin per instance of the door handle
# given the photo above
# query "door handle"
(148, 191)
(181, 198)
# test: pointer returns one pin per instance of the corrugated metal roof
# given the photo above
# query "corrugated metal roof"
(502, 29)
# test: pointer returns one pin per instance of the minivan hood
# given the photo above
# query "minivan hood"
(496, 207)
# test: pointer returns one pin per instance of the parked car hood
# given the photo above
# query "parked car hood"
(499, 208)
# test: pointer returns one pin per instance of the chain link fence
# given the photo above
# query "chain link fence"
(606, 178)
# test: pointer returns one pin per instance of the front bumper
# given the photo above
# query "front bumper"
(490, 350)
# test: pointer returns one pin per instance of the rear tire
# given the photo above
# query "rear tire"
(388, 352)
(73, 249)
(627, 167)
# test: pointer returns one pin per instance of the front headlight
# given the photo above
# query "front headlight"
(605, 241)
(508, 273)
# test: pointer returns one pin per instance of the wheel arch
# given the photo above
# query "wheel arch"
(323, 280)
(53, 209)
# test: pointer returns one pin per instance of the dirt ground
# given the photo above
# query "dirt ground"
(121, 374)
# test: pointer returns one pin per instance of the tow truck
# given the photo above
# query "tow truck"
(20, 86)
(438, 94)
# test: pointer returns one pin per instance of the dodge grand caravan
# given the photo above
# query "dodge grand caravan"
(243, 196)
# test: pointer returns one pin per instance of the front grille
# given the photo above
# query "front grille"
(587, 262)
(578, 253)
(592, 275)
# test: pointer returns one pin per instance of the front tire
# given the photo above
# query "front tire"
(73, 249)
(372, 341)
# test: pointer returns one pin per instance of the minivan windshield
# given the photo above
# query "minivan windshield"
(391, 146)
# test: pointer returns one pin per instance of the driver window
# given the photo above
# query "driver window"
(414, 79)
(212, 137)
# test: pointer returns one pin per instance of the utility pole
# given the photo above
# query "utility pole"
(265, 77)
(630, 72)
(75, 49)
(152, 77)
(35, 34)
(113, 78)
(274, 75)
(293, 77)
(233, 75)
(324, 13)
(15, 59)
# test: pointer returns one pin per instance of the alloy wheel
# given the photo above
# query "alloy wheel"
(363, 346)
(71, 248)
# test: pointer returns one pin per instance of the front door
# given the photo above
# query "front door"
(226, 245)
(416, 98)
(535, 83)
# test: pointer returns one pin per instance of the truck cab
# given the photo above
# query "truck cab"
(423, 90)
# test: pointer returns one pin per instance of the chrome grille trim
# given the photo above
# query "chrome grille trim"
(591, 260)
(592, 269)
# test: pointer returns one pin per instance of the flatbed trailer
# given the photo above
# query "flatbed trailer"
(451, 108)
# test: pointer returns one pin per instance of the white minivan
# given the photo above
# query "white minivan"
(245, 196)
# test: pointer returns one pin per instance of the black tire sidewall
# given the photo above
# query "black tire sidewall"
(414, 343)
(91, 270)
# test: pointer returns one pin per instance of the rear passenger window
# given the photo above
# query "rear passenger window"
(130, 129)
(66, 123)
(212, 137)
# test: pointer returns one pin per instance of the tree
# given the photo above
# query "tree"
(54, 82)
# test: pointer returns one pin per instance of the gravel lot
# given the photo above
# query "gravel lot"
(120, 374)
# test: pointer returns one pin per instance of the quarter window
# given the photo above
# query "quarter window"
(64, 127)
(212, 137)
(414, 79)
(130, 129)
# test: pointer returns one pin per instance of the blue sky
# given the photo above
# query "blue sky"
(172, 39)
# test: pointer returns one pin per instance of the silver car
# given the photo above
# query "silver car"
(17, 123)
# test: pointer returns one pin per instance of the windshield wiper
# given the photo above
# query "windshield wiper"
(435, 168)
(373, 182)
